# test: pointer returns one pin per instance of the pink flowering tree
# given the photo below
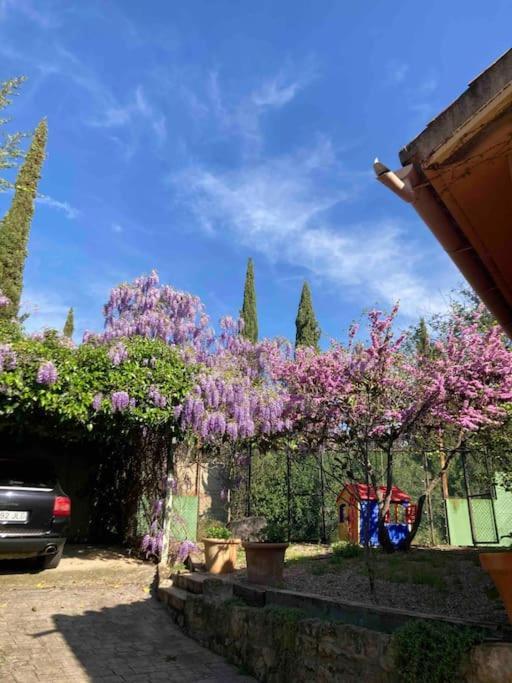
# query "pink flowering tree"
(373, 397)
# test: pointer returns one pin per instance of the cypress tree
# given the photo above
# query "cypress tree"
(306, 325)
(10, 151)
(248, 313)
(421, 338)
(15, 226)
(69, 325)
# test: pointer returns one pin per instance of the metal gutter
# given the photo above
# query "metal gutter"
(412, 187)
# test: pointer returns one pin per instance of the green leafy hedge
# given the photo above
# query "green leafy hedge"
(86, 372)
(431, 652)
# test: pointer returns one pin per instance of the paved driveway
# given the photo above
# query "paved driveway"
(93, 619)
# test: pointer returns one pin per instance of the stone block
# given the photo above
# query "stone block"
(217, 590)
(489, 663)
(252, 595)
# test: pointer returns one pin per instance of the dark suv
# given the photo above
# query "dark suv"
(34, 512)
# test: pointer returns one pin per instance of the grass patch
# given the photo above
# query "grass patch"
(437, 569)
(399, 569)
(346, 551)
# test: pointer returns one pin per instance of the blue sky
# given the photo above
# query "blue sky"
(187, 137)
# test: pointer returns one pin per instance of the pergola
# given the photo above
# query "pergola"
(457, 174)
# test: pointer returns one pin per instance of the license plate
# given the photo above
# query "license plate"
(13, 516)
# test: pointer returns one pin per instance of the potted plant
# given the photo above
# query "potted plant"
(265, 558)
(220, 550)
(499, 567)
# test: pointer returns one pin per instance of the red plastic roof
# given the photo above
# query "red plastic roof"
(364, 492)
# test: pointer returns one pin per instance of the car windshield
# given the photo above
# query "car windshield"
(31, 473)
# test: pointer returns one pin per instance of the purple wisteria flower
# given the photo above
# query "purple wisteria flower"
(120, 401)
(8, 357)
(96, 401)
(185, 549)
(47, 373)
(146, 308)
(152, 544)
(158, 506)
(4, 300)
(118, 353)
(159, 400)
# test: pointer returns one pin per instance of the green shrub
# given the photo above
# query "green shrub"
(217, 531)
(346, 550)
(431, 652)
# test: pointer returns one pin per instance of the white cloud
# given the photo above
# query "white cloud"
(45, 309)
(243, 117)
(70, 211)
(115, 116)
(396, 72)
(284, 209)
(45, 19)
(279, 90)
(427, 86)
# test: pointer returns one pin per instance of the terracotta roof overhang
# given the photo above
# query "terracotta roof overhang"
(457, 174)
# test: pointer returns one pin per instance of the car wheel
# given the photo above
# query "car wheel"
(52, 561)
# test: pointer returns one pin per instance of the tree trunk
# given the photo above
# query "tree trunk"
(383, 534)
(442, 462)
(406, 543)
(428, 500)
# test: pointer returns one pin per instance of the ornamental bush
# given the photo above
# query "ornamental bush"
(92, 385)
(431, 652)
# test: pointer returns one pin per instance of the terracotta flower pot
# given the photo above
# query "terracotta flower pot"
(265, 562)
(499, 567)
(220, 554)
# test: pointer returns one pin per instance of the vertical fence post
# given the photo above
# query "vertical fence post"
(429, 499)
(322, 500)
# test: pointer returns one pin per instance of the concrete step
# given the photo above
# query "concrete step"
(192, 583)
(173, 597)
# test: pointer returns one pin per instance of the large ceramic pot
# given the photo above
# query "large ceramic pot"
(220, 554)
(499, 567)
(265, 562)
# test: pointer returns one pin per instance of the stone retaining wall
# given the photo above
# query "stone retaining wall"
(276, 645)
(280, 644)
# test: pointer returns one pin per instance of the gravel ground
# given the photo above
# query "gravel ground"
(467, 592)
